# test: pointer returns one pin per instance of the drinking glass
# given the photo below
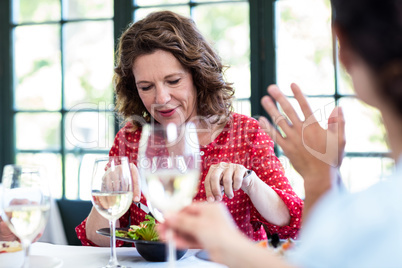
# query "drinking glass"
(25, 203)
(169, 167)
(112, 194)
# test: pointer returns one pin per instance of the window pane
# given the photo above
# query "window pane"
(242, 107)
(143, 12)
(158, 2)
(359, 173)
(36, 11)
(364, 130)
(295, 180)
(37, 67)
(304, 46)
(76, 9)
(52, 164)
(88, 63)
(89, 130)
(229, 34)
(38, 131)
(79, 175)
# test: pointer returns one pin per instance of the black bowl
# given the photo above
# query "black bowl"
(155, 251)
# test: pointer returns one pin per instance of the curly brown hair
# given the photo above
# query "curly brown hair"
(178, 35)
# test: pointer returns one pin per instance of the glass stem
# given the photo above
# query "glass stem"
(26, 246)
(171, 249)
(113, 260)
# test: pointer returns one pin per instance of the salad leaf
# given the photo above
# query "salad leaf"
(145, 231)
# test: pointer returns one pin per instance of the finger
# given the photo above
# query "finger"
(161, 229)
(18, 201)
(212, 184)
(107, 179)
(114, 181)
(271, 130)
(207, 186)
(136, 183)
(278, 119)
(336, 116)
(182, 240)
(186, 225)
(119, 182)
(288, 109)
(336, 125)
(194, 209)
(341, 127)
(238, 177)
(227, 181)
(301, 99)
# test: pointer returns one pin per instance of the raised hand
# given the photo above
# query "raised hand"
(314, 152)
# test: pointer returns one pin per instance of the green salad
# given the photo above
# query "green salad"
(145, 231)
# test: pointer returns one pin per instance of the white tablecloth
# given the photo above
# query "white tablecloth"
(80, 256)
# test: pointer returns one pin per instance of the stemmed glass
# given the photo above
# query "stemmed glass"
(112, 194)
(25, 202)
(169, 167)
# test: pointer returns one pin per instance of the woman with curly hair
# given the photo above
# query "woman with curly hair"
(167, 73)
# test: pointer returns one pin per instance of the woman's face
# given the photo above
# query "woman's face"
(364, 83)
(165, 87)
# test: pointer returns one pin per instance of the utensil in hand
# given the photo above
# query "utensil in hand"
(25, 203)
(112, 194)
(169, 168)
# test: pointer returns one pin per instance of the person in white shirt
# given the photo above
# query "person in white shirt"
(339, 229)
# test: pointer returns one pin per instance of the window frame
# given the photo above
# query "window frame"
(262, 69)
(7, 128)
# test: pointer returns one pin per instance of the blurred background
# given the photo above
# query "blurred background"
(57, 59)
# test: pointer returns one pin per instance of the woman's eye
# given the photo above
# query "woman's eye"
(145, 88)
(174, 82)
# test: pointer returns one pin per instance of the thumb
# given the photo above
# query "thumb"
(336, 121)
(336, 126)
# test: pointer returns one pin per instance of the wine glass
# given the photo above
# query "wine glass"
(112, 194)
(25, 202)
(169, 167)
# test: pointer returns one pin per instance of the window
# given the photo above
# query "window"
(60, 86)
(56, 67)
(62, 101)
(306, 54)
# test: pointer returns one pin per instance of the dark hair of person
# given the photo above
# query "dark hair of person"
(373, 29)
(178, 35)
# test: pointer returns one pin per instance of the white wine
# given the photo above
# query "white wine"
(27, 221)
(171, 190)
(112, 205)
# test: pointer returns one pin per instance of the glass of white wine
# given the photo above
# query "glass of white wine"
(112, 194)
(169, 166)
(25, 202)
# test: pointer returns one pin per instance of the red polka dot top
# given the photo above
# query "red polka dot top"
(242, 141)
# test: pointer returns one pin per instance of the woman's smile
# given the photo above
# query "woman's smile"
(167, 113)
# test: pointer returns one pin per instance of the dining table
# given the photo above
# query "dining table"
(46, 255)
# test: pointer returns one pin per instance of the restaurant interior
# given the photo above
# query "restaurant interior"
(57, 98)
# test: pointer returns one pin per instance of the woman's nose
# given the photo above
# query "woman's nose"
(162, 95)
